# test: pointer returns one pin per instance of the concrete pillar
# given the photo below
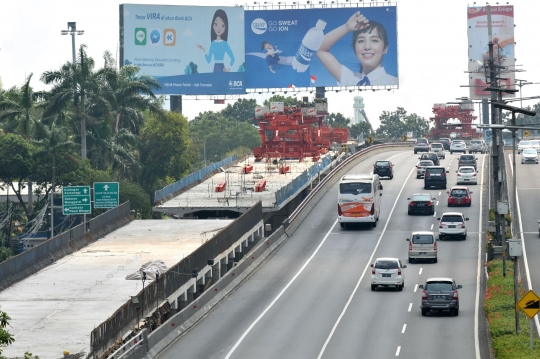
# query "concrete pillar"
(224, 267)
(216, 272)
(182, 301)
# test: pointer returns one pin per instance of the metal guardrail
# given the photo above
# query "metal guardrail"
(295, 185)
(141, 339)
(191, 178)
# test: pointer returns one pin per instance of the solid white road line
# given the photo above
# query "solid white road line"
(478, 273)
(365, 269)
(404, 327)
(525, 261)
(410, 305)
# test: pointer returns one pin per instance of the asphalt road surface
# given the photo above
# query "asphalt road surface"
(312, 298)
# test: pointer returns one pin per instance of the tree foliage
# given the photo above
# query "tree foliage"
(242, 110)
(288, 101)
(398, 123)
(5, 337)
(337, 120)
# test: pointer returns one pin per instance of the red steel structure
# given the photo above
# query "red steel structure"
(295, 133)
(462, 112)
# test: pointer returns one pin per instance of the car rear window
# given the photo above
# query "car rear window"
(421, 140)
(458, 193)
(452, 218)
(354, 188)
(529, 151)
(436, 145)
(382, 164)
(525, 143)
(421, 197)
(426, 163)
(435, 170)
(442, 286)
(422, 239)
(386, 265)
(466, 170)
(466, 158)
(476, 142)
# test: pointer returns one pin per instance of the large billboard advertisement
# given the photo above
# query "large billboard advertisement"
(321, 47)
(193, 50)
(502, 25)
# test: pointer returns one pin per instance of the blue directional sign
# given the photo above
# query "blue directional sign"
(76, 200)
(106, 194)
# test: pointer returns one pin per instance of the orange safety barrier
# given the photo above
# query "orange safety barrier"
(220, 187)
(284, 169)
(260, 186)
(247, 169)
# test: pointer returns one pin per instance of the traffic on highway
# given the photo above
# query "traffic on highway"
(402, 284)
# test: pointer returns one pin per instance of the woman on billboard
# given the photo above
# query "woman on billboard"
(219, 31)
(369, 43)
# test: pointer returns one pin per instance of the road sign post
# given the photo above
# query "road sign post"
(76, 200)
(530, 304)
(106, 194)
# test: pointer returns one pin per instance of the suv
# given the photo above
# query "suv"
(440, 294)
(477, 146)
(467, 160)
(438, 148)
(435, 176)
(430, 156)
(386, 272)
(452, 224)
(422, 245)
(421, 145)
(458, 146)
(421, 167)
(383, 169)
(446, 143)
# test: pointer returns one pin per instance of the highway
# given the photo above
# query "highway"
(528, 188)
(312, 297)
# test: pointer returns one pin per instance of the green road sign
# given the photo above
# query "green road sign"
(106, 194)
(76, 200)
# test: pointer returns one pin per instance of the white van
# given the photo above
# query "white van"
(359, 199)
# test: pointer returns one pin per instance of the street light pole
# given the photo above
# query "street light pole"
(72, 30)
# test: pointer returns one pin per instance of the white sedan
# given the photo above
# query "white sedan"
(467, 174)
(529, 155)
(458, 146)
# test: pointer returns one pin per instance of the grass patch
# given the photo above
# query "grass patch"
(500, 312)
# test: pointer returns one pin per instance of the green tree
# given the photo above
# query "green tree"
(358, 128)
(242, 110)
(19, 110)
(139, 200)
(419, 125)
(392, 123)
(129, 95)
(337, 120)
(80, 85)
(5, 337)
(288, 101)
(164, 144)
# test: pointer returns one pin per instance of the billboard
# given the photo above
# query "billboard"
(321, 47)
(192, 50)
(502, 24)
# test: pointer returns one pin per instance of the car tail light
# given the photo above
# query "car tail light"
(430, 203)
(434, 245)
(426, 174)
(339, 211)
(440, 225)
(459, 174)
(474, 174)
(455, 297)
(410, 246)
(462, 224)
(443, 174)
(373, 270)
(374, 166)
(411, 203)
(399, 271)
(372, 209)
(424, 295)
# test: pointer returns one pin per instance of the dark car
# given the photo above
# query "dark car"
(430, 156)
(384, 169)
(467, 160)
(421, 203)
(446, 143)
(435, 176)
(440, 294)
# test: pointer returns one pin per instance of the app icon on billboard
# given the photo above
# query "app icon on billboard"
(154, 37)
(140, 36)
(169, 37)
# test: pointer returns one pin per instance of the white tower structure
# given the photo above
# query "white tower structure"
(359, 113)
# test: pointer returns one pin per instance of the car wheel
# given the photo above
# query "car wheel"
(463, 237)
(374, 224)
(400, 288)
(410, 260)
(392, 176)
(424, 312)
(435, 260)
(415, 152)
(441, 237)
(469, 205)
(409, 212)
(444, 186)
(451, 152)
(417, 176)
(433, 211)
(456, 312)
(373, 287)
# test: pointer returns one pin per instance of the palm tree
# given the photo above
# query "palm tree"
(81, 84)
(129, 95)
(119, 153)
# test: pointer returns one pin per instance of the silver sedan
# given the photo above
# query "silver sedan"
(421, 167)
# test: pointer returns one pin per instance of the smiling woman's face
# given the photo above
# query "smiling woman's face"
(369, 49)
(219, 26)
